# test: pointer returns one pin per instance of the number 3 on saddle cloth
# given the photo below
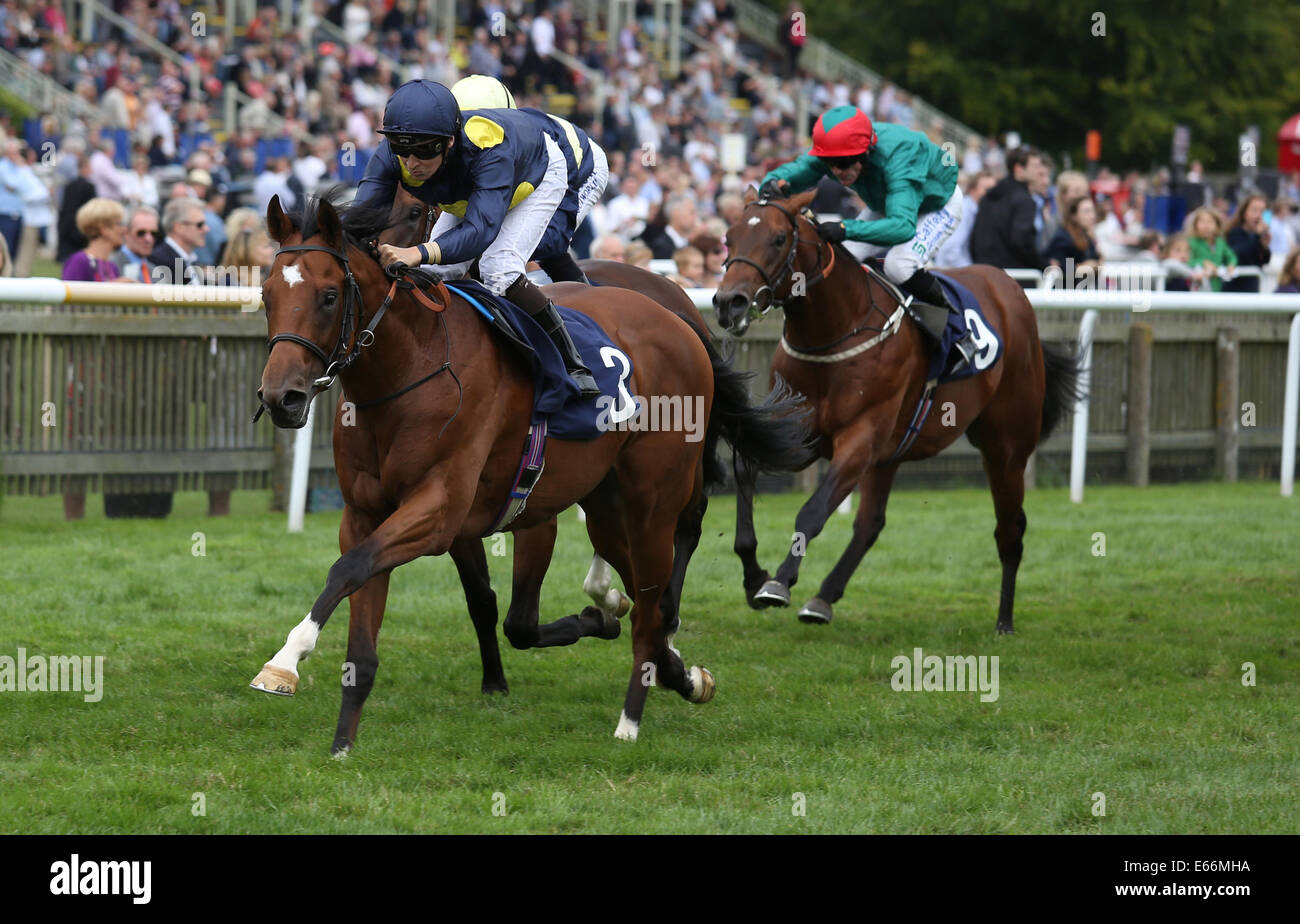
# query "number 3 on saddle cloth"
(988, 350)
(558, 410)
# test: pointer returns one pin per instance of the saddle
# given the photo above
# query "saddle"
(555, 396)
(969, 316)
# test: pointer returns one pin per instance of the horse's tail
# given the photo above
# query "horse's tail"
(1062, 392)
(773, 436)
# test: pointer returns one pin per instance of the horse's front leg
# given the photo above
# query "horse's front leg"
(534, 547)
(746, 544)
(280, 674)
(422, 525)
(471, 565)
(852, 451)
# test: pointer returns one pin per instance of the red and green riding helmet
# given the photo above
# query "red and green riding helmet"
(844, 131)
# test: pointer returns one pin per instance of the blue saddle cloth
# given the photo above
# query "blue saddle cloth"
(988, 345)
(555, 396)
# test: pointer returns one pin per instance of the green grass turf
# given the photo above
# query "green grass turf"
(1124, 678)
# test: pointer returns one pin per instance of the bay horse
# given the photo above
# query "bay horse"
(863, 371)
(771, 435)
(444, 412)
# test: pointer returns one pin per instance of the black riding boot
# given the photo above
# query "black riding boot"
(925, 288)
(563, 268)
(534, 301)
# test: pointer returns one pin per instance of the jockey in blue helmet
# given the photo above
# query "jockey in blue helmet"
(498, 182)
(588, 172)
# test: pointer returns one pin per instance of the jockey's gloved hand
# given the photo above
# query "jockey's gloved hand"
(773, 189)
(832, 231)
(394, 259)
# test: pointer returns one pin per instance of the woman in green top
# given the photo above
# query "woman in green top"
(909, 186)
(1209, 249)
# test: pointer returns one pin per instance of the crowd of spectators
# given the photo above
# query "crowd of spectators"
(1025, 220)
(192, 189)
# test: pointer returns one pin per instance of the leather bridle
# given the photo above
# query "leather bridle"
(770, 285)
(342, 355)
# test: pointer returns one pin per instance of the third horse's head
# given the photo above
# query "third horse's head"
(770, 246)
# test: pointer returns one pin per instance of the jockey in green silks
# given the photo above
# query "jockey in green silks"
(909, 186)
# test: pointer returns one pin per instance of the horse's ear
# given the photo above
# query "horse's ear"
(330, 226)
(278, 225)
(803, 200)
(751, 195)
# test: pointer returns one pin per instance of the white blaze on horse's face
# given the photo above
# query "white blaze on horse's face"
(753, 221)
(292, 275)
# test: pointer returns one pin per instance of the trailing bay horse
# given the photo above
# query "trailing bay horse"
(444, 410)
(862, 370)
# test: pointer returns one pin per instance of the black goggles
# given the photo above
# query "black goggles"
(422, 149)
(842, 163)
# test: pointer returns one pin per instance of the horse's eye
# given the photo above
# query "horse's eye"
(779, 240)
(415, 212)
(331, 296)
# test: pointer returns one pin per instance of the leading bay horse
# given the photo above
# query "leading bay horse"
(862, 370)
(772, 435)
(446, 410)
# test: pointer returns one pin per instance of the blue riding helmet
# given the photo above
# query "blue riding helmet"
(419, 110)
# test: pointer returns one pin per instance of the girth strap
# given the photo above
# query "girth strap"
(918, 420)
(530, 470)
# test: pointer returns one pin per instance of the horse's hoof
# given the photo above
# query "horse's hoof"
(627, 729)
(275, 680)
(702, 685)
(624, 605)
(1006, 629)
(496, 686)
(341, 753)
(816, 612)
(773, 593)
(611, 628)
(607, 625)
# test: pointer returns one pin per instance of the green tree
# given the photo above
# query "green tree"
(1054, 70)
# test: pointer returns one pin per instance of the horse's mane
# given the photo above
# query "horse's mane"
(361, 223)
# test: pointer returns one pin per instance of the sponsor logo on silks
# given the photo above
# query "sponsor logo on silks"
(924, 673)
(103, 877)
(55, 674)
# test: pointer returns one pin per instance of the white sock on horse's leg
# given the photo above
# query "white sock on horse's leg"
(599, 586)
(301, 641)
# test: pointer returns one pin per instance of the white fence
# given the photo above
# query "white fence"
(1093, 302)
(1096, 301)
(53, 292)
